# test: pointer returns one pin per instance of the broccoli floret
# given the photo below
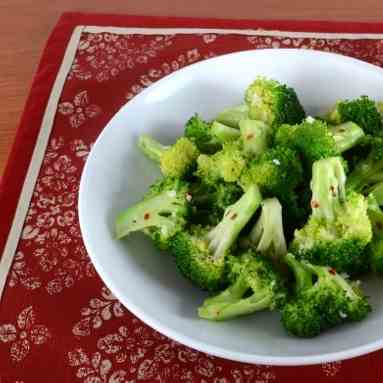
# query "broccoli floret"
(224, 133)
(176, 161)
(369, 171)
(227, 164)
(276, 171)
(231, 116)
(273, 103)
(317, 306)
(338, 229)
(254, 285)
(362, 111)
(267, 236)
(200, 254)
(312, 139)
(199, 131)
(160, 215)
(255, 136)
(211, 200)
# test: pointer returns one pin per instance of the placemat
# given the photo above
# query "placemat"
(58, 321)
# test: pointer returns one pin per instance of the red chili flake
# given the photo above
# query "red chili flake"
(146, 216)
(249, 136)
(234, 216)
(315, 204)
(332, 190)
(332, 271)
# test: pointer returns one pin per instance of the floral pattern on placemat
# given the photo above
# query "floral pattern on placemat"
(55, 311)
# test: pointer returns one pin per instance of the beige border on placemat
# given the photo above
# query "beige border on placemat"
(50, 111)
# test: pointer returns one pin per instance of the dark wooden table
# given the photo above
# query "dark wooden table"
(26, 24)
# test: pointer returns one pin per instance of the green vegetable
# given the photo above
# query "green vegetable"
(177, 160)
(161, 214)
(362, 111)
(254, 285)
(329, 301)
(255, 135)
(199, 132)
(227, 164)
(267, 236)
(369, 171)
(338, 229)
(231, 116)
(224, 133)
(200, 253)
(273, 103)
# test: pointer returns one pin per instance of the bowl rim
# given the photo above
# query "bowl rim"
(162, 327)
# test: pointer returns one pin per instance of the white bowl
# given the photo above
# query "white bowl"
(117, 174)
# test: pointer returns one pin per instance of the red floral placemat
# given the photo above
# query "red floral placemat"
(58, 322)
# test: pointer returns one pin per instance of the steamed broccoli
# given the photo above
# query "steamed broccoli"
(160, 215)
(369, 171)
(199, 131)
(328, 302)
(338, 229)
(201, 253)
(254, 285)
(267, 235)
(346, 135)
(227, 164)
(276, 171)
(255, 135)
(231, 116)
(177, 160)
(375, 247)
(315, 140)
(224, 133)
(312, 139)
(362, 111)
(377, 193)
(273, 103)
(211, 200)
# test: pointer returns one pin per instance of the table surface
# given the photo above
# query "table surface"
(26, 24)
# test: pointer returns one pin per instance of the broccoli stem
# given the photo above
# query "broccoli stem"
(346, 135)
(230, 302)
(223, 132)
(255, 136)
(267, 234)
(232, 116)
(153, 212)
(367, 173)
(377, 192)
(152, 148)
(328, 187)
(236, 216)
(303, 278)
